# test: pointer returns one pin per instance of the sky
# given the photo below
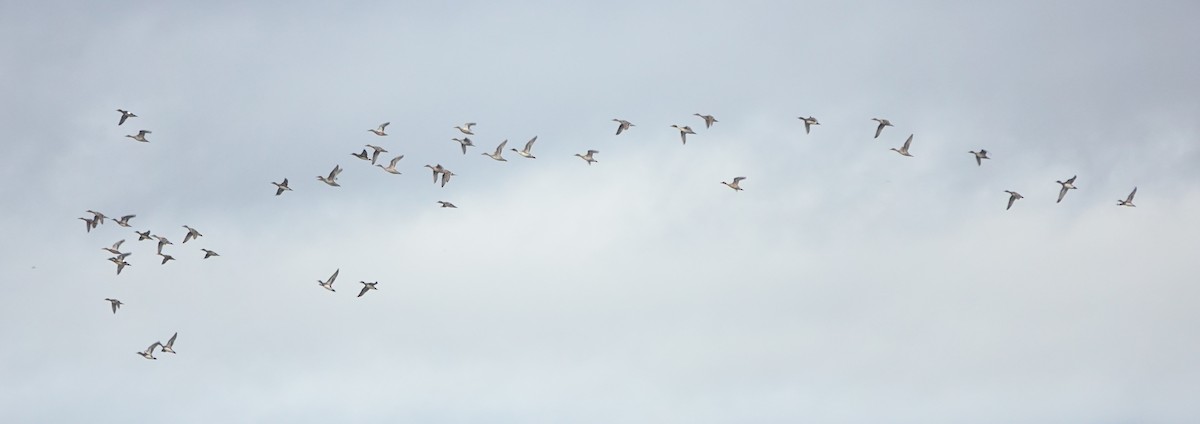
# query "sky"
(844, 284)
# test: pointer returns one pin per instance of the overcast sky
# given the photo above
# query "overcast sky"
(845, 284)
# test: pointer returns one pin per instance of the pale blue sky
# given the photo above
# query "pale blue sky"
(846, 284)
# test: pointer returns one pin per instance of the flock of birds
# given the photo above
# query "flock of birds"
(442, 174)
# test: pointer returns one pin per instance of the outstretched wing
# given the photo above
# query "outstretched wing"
(1130, 198)
(333, 277)
(529, 144)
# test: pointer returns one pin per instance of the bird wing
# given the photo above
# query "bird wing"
(879, 129)
(1130, 198)
(114, 305)
(529, 144)
(738, 179)
(978, 161)
(336, 170)
(150, 350)
(171, 341)
(394, 160)
(592, 152)
(364, 289)
(500, 148)
(383, 125)
(1011, 199)
(333, 277)
(117, 245)
(123, 117)
(907, 142)
(1061, 192)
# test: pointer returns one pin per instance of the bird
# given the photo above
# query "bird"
(683, 132)
(623, 125)
(143, 235)
(446, 174)
(124, 221)
(141, 136)
(979, 156)
(1128, 200)
(588, 157)
(209, 253)
(904, 149)
(162, 241)
(447, 204)
(98, 216)
(328, 285)
(149, 353)
(115, 249)
(708, 120)
(166, 258)
(125, 115)
(1068, 185)
(116, 304)
(281, 187)
(367, 286)
(170, 342)
(882, 123)
(361, 155)
(809, 122)
(391, 168)
(191, 234)
(379, 131)
(734, 185)
(375, 154)
(466, 128)
(465, 141)
(332, 179)
(89, 223)
(436, 170)
(1012, 197)
(121, 264)
(528, 145)
(499, 150)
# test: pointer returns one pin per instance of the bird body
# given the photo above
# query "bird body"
(588, 157)
(125, 115)
(380, 130)
(1012, 197)
(808, 123)
(116, 304)
(622, 125)
(391, 168)
(1128, 200)
(979, 156)
(526, 151)
(735, 184)
(499, 151)
(904, 149)
(683, 132)
(149, 352)
(465, 141)
(367, 286)
(141, 136)
(1066, 185)
(328, 285)
(281, 187)
(447, 204)
(708, 119)
(882, 123)
(332, 178)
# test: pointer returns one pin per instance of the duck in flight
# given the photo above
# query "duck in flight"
(622, 125)
(125, 115)
(382, 127)
(734, 185)
(1012, 197)
(1066, 185)
(808, 123)
(526, 151)
(367, 286)
(1128, 200)
(882, 123)
(328, 285)
(708, 119)
(141, 136)
(281, 187)
(904, 149)
(683, 132)
(979, 156)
